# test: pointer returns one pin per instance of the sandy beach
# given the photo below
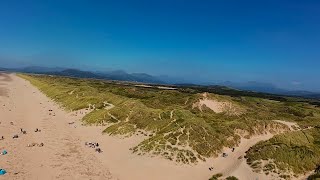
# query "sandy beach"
(61, 157)
(65, 156)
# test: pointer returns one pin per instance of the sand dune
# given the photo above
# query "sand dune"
(64, 155)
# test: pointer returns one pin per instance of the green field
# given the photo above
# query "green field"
(177, 130)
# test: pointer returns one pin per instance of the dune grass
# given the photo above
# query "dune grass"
(172, 127)
(296, 152)
(216, 176)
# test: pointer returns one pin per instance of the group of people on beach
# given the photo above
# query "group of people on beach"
(16, 136)
(94, 146)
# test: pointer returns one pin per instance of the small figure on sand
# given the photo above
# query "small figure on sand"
(94, 146)
(35, 144)
(15, 136)
(23, 131)
(90, 144)
(4, 152)
(98, 150)
(3, 172)
(31, 145)
(224, 155)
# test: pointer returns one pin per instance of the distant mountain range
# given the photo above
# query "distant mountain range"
(146, 78)
(269, 88)
(110, 75)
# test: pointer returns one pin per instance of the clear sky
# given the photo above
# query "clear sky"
(276, 41)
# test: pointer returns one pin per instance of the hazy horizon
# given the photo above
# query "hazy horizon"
(215, 41)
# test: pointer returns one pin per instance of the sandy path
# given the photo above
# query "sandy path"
(64, 155)
(235, 164)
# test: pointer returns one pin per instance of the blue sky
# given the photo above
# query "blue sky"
(205, 41)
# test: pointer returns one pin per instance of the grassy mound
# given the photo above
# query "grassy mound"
(296, 152)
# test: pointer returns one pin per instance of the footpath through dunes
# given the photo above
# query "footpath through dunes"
(62, 155)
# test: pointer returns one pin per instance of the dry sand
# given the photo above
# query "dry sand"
(61, 157)
(64, 155)
(216, 106)
(235, 164)
(289, 124)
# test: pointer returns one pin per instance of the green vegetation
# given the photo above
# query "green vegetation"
(231, 178)
(296, 152)
(216, 176)
(177, 130)
(315, 176)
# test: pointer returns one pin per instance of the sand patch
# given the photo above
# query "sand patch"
(142, 85)
(166, 88)
(291, 125)
(159, 87)
(3, 92)
(217, 106)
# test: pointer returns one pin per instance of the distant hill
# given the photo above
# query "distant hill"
(254, 86)
(111, 75)
(76, 73)
(120, 75)
(39, 69)
(269, 88)
(142, 77)
(306, 94)
(172, 80)
(134, 77)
